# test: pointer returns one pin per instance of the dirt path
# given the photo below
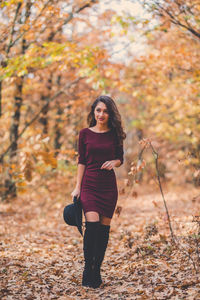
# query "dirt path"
(41, 257)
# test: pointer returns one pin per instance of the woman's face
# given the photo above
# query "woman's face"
(101, 113)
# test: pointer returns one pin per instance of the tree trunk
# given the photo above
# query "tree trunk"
(0, 98)
(44, 119)
(10, 187)
(139, 134)
(57, 144)
(10, 191)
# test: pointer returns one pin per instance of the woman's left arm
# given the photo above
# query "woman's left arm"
(110, 164)
(117, 162)
(119, 155)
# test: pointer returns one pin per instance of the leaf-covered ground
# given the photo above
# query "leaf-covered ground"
(42, 258)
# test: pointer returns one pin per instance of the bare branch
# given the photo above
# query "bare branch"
(26, 30)
(175, 21)
(155, 154)
(13, 26)
(71, 16)
(174, 238)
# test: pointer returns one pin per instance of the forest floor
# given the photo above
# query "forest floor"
(42, 258)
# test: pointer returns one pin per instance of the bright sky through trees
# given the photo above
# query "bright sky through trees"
(122, 46)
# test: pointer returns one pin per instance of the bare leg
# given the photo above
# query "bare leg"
(92, 216)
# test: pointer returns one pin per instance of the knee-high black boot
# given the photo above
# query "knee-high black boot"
(89, 243)
(100, 249)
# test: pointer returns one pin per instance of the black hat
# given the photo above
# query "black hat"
(72, 214)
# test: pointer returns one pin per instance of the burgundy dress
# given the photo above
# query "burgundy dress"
(98, 187)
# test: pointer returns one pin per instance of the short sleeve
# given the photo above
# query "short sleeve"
(119, 153)
(81, 149)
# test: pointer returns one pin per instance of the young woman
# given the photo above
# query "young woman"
(100, 150)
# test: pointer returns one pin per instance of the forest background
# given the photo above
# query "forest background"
(56, 58)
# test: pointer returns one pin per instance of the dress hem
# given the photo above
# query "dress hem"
(99, 212)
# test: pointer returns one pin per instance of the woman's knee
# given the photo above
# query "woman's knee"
(104, 220)
(92, 216)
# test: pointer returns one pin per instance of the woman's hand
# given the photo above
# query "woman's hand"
(109, 164)
(76, 192)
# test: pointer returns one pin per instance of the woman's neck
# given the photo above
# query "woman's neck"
(101, 128)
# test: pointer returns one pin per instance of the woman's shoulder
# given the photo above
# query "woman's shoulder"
(83, 131)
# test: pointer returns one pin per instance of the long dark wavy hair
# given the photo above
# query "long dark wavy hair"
(114, 120)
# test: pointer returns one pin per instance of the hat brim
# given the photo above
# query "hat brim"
(69, 215)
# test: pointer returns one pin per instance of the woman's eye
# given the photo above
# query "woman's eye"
(105, 111)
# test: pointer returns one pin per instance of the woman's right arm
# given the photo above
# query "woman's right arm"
(80, 172)
(81, 164)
